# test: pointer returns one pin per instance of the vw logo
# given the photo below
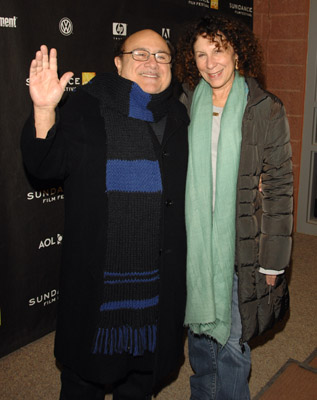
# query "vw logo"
(65, 26)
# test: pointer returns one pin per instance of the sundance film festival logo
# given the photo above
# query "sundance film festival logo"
(44, 299)
(74, 81)
(166, 33)
(65, 26)
(8, 22)
(47, 195)
(119, 29)
(241, 9)
(201, 3)
(51, 241)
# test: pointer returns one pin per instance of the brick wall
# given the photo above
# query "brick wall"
(282, 27)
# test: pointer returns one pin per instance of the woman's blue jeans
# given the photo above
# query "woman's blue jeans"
(221, 372)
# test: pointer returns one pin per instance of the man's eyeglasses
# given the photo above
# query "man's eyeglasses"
(143, 55)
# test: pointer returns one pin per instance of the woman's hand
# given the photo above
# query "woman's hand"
(270, 280)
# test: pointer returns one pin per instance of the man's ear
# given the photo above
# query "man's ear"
(118, 63)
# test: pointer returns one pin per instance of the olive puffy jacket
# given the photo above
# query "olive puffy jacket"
(264, 217)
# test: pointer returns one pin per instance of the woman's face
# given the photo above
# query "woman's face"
(215, 63)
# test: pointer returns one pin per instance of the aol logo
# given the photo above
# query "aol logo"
(166, 33)
(51, 241)
(119, 29)
(65, 26)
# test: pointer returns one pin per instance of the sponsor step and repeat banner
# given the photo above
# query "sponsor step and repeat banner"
(84, 34)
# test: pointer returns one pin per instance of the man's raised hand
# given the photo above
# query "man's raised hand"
(46, 89)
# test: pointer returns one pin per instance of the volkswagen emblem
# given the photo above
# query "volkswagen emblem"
(65, 26)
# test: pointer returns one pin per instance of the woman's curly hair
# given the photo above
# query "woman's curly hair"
(229, 31)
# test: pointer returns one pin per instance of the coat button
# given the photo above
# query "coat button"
(165, 154)
(169, 203)
(166, 251)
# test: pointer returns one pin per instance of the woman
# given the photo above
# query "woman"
(239, 239)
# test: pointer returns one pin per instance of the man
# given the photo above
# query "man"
(120, 144)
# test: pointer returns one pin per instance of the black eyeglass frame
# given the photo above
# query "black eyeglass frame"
(149, 55)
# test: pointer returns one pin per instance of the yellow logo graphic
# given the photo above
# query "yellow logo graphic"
(86, 77)
(214, 4)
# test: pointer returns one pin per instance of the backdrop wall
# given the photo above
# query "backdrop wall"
(84, 34)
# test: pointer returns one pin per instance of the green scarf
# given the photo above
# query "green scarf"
(211, 235)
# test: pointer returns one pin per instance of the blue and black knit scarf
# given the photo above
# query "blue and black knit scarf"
(129, 307)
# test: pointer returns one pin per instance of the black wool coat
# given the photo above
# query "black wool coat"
(75, 150)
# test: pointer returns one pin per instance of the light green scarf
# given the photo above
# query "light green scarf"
(211, 235)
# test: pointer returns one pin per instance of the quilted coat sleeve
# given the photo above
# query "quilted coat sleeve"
(277, 190)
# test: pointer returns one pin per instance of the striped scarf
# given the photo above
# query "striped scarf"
(133, 187)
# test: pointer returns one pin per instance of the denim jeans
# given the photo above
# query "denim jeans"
(221, 372)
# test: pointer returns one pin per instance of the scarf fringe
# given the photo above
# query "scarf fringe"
(125, 339)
